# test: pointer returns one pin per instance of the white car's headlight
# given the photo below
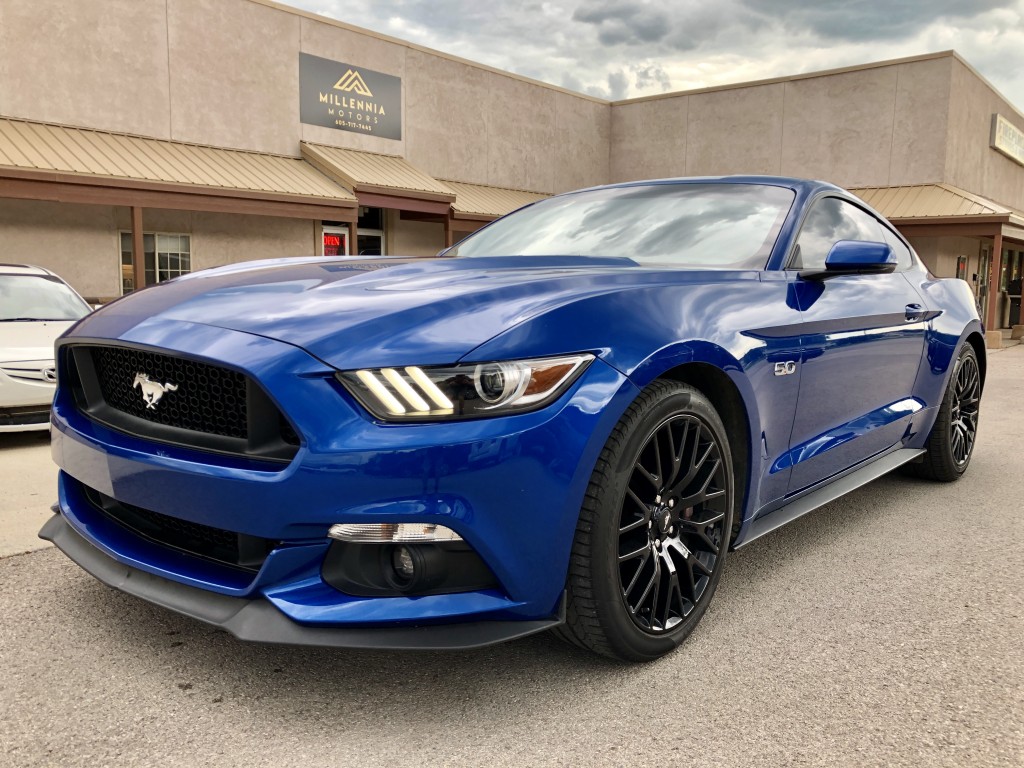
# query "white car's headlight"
(472, 391)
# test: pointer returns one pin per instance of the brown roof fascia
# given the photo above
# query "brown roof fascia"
(87, 190)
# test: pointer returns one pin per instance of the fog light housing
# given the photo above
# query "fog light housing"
(403, 564)
(414, 568)
(392, 569)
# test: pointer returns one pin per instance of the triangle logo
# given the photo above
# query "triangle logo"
(353, 81)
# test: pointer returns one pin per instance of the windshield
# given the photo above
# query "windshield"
(728, 226)
(38, 297)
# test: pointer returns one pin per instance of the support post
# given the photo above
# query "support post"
(448, 232)
(353, 239)
(993, 336)
(138, 255)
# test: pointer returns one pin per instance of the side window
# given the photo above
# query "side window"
(830, 221)
(903, 258)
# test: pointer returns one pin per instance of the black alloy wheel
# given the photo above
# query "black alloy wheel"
(671, 525)
(966, 402)
(654, 529)
(951, 442)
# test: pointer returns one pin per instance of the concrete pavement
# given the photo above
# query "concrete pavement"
(882, 630)
(28, 486)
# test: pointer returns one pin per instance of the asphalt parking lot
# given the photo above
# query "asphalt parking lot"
(885, 629)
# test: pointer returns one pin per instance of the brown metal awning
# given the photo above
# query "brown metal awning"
(43, 161)
(942, 209)
(480, 203)
(382, 181)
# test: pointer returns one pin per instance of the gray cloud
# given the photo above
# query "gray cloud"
(623, 21)
(618, 85)
(625, 48)
(869, 19)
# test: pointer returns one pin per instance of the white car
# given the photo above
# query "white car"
(36, 307)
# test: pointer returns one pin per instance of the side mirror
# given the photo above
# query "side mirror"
(854, 257)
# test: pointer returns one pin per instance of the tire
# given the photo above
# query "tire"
(654, 528)
(951, 442)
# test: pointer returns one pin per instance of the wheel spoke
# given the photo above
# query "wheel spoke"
(675, 450)
(699, 565)
(634, 553)
(636, 576)
(658, 473)
(647, 475)
(647, 589)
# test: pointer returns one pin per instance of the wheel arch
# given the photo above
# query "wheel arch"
(723, 393)
(977, 341)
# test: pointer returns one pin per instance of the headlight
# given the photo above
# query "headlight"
(470, 391)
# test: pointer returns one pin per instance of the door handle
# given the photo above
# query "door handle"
(914, 312)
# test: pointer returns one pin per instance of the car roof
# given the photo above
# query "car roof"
(23, 269)
(790, 182)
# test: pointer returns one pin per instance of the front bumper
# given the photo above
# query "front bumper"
(24, 401)
(256, 620)
(510, 487)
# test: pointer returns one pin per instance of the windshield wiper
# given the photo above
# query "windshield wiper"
(29, 319)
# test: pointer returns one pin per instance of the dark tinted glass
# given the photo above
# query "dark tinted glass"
(903, 257)
(731, 226)
(830, 221)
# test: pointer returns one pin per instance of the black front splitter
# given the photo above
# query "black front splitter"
(257, 620)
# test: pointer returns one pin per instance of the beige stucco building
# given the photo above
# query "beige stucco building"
(143, 138)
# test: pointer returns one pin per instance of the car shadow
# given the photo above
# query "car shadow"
(12, 441)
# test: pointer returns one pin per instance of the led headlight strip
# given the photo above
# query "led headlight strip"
(476, 390)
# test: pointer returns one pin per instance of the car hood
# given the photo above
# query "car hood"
(31, 340)
(359, 313)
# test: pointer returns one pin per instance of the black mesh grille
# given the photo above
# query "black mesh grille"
(226, 547)
(207, 399)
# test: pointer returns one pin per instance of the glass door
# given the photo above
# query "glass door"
(983, 265)
(335, 241)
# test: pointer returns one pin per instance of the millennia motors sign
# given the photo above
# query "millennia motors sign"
(338, 95)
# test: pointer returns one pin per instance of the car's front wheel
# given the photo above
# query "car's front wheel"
(654, 528)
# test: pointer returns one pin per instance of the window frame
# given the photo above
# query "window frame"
(156, 257)
(790, 256)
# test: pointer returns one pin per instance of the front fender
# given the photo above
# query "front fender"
(740, 326)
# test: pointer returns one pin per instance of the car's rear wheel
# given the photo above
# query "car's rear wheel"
(951, 442)
(654, 528)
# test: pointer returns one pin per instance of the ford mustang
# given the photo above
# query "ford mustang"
(566, 421)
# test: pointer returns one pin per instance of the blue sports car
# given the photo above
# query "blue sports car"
(566, 421)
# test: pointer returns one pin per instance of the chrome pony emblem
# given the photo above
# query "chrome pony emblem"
(152, 391)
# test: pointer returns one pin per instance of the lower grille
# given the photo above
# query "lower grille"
(236, 550)
(26, 416)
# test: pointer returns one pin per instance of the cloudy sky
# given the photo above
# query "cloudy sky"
(624, 48)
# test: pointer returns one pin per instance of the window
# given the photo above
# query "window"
(723, 226)
(830, 221)
(335, 240)
(164, 255)
(38, 297)
(903, 258)
(961, 267)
